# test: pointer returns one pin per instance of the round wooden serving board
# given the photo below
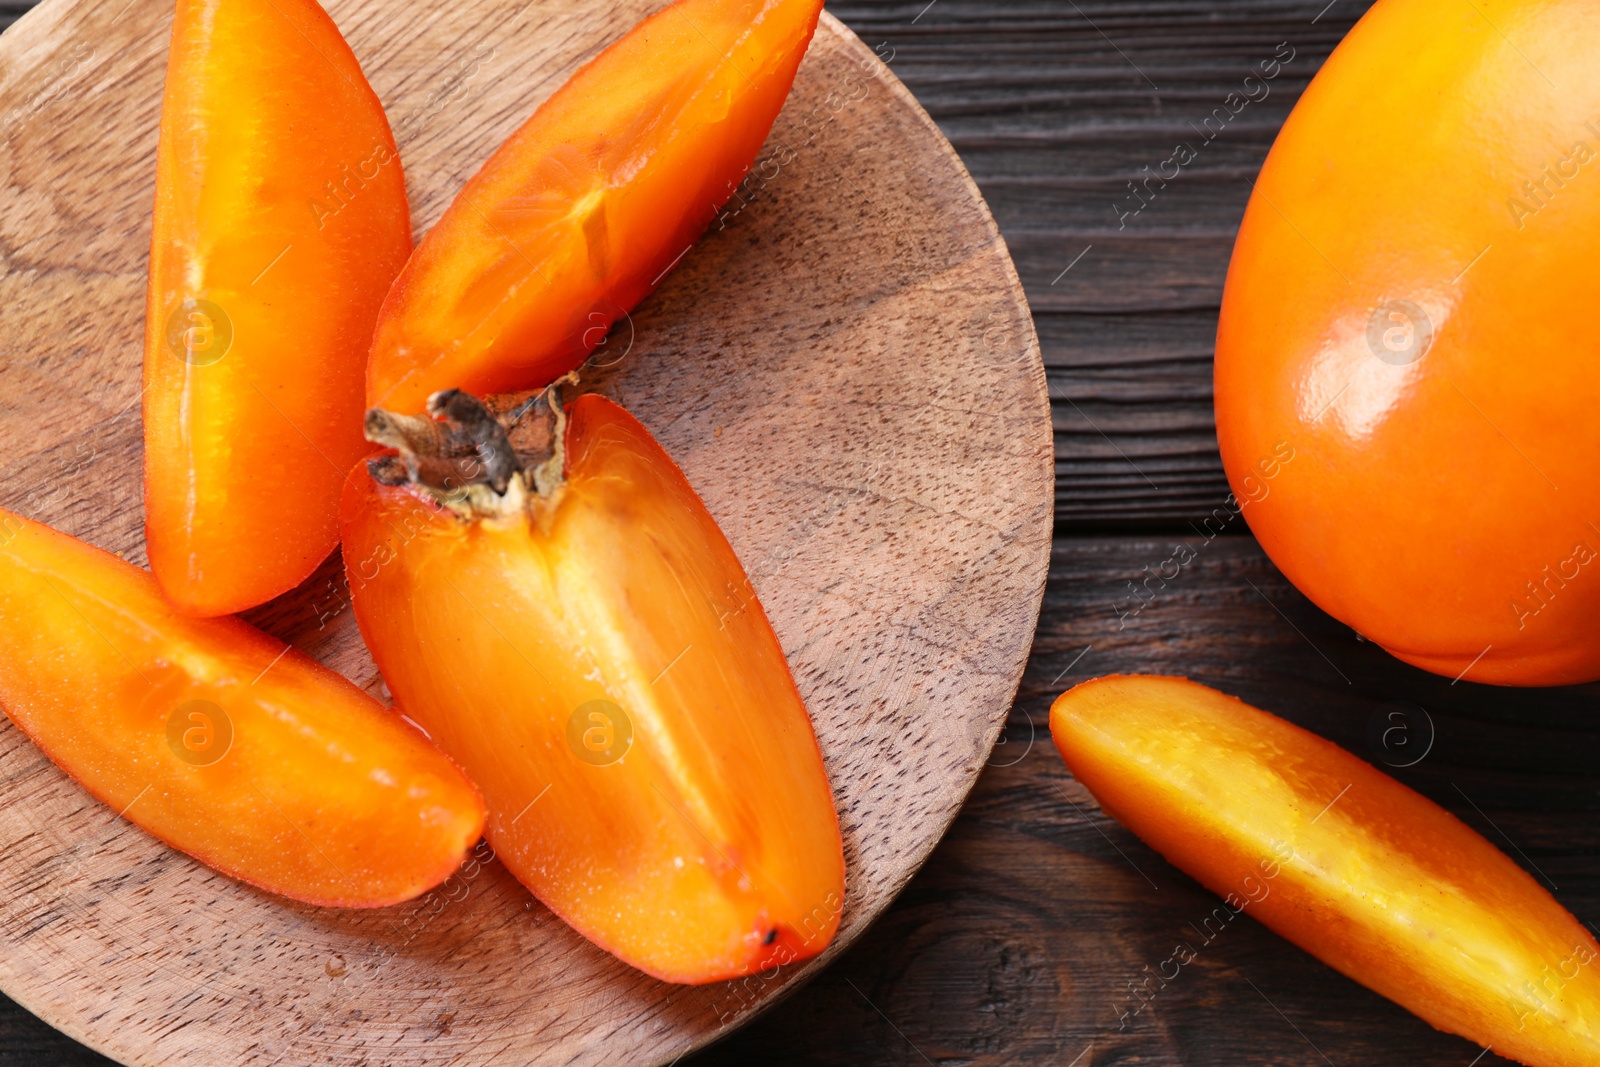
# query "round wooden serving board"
(845, 368)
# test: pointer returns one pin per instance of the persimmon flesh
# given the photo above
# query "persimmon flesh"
(218, 739)
(588, 206)
(1410, 310)
(598, 662)
(1370, 877)
(280, 222)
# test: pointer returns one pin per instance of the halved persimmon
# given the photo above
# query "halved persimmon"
(580, 636)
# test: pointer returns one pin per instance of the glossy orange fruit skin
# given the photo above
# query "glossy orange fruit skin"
(1443, 505)
(218, 739)
(280, 204)
(1368, 876)
(710, 849)
(588, 206)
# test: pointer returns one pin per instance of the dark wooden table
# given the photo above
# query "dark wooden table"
(1020, 940)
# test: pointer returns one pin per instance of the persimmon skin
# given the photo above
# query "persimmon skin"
(281, 204)
(1442, 506)
(321, 794)
(710, 849)
(1370, 877)
(586, 208)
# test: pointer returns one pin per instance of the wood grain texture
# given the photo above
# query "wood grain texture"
(845, 369)
(1016, 942)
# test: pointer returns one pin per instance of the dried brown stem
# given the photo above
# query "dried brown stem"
(462, 453)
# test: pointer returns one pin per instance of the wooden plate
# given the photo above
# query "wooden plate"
(846, 370)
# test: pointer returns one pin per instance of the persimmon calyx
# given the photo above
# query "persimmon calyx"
(476, 459)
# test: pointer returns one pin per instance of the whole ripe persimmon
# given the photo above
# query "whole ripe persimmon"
(280, 221)
(1410, 314)
(580, 636)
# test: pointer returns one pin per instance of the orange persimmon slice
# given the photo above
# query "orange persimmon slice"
(1370, 877)
(218, 739)
(280, 222)
(593, 654)
(588, 206)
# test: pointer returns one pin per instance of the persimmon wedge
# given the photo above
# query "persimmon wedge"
(280, 222)
(218, 739)
(1370, 877)
(587, 646)
(588, 206)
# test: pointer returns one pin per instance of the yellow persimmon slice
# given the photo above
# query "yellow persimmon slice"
(1370, 877)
